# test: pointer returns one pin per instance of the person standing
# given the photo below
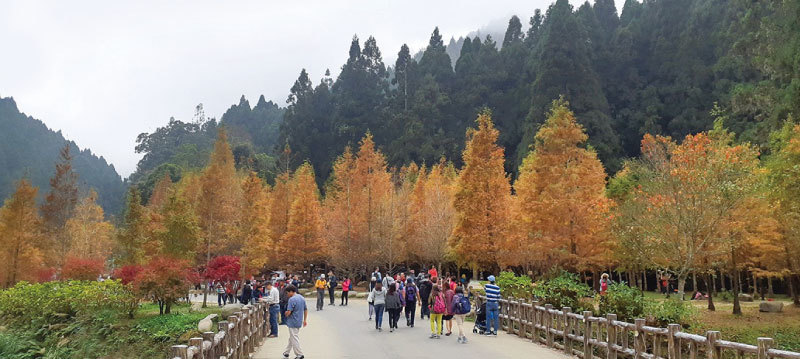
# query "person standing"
(604, 282)
(321, 285)
(461, 307)
(448, 314)
(394, 305)
(492, 306)
(425, 287)
(345, 291)
(437, 308)
(332, 283)
(296, 318)
(377, 275)
(433, 273)
(220, 289)
(412, 298)
(372, 284)
(273, 299)
(247, 293)
(378, 299)
(284, 302)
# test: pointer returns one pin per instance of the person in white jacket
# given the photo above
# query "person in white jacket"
(377, 297)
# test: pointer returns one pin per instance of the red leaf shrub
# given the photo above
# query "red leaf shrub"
(223, 268)
(127, 274)
(164, 279)
(45, 275)
(82, 269)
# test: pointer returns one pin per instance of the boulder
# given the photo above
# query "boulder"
(770, 307)
(744, 297)
(229, 309)
(206, 324)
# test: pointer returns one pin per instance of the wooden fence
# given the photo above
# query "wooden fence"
(237, 338)
(590, 337)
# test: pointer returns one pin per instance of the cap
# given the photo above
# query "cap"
(491, 278)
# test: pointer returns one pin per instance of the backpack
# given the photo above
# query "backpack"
(463, 306)
(411, 293)
(438, 305)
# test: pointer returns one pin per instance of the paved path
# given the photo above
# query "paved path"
(344, 332)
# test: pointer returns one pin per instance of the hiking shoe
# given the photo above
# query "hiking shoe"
(285, 355)
(448, 334)
(433, 336)
(463, 340)
(458, 340)
(300, 357)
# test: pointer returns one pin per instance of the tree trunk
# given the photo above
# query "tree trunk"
(681, 286)
(596, 280)
(770, 290)
(722, 286)
(710, 279)
(694, 281)
(737, 285)
(754, 288)
(794, 290)
(644, 276)
(474, 271)
(713, 281)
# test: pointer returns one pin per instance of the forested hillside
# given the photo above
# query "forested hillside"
(656, 67)
(28, 149)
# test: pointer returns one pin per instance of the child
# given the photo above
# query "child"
(437, 306)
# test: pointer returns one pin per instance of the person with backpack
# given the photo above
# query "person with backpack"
(372, 283)
(345, 291)
(321, 284)
(378, 299)
(332, 283)
(425, 287)
(437, 307)
(412, 298)
(448, 314)
(492, 306)
(220, 289)
(394, 304)
(461, 307)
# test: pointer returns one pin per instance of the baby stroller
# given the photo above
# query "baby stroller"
(480, 320)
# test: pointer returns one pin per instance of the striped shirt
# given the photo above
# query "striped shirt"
(492, 292)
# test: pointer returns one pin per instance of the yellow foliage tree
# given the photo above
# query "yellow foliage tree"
(257, 247)
(432, 215)
(91, 236)
(561, 206)
(482, 199)
(303, 241)
(21, 237)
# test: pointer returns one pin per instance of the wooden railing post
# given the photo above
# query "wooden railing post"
(673, 350)
(233, 342)
(209, 337)
(712, 351)
(587, 335)
(535, 321)
(548, 324)
(223, 344)
(180, 351)
(567, 328)
(197, 343)
(611, 336)
(764, 345)
(639, 338)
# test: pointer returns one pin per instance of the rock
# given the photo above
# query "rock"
(361, 295)
(770, 307)
(229, 309)
(206, 324)
(745, 297)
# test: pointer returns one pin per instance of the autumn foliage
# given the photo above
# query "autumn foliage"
(76, 268)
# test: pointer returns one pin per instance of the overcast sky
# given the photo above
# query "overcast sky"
(104, 71)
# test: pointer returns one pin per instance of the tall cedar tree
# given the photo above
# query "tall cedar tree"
(482, 199)
(90, 235)
(561, 204)
(21, 237)
(60, 204)
(304, 243)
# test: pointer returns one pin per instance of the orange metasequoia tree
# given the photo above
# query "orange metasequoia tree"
(21, 235)
(303, 241)
(561, 207)
(482, 199)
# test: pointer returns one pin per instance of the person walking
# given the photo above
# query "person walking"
(377, 275)
(461, 307)
(412, 298)
(372, 283)
(448, 314)
(345, 291)
(332, 283)
(273, 300)
(425, 287)
(296, 318)
(220, 289)
(378, 299)
(394, 304)
(321, 285)
(437, 307)
(492, 306)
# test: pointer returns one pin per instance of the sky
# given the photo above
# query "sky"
(104, 71)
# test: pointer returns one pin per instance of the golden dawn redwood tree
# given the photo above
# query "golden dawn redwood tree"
(561, 206)
(482, 199)
(257, 248)
(303, 241)
(21, 235)
(91, 236)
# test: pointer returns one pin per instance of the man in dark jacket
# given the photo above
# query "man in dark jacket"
(425, 287)
(284, 302)
(332, 283)
(247, 293)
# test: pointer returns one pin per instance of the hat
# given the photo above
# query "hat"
(322, 276)
(491, 278)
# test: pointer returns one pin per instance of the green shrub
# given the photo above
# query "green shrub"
(626, 302)
(515, 286)
(169, 327)
(57, 302)
(671, 311)
(565, 290)
(725, 296)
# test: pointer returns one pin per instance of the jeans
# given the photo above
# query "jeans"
(492, 317)
(425, 309)
(294, 343)
(273, 319)
(345, 298)
(379, 315)
(331, 292)
(436, 323)
(411, 308)
(320, 298)
(221, 299)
